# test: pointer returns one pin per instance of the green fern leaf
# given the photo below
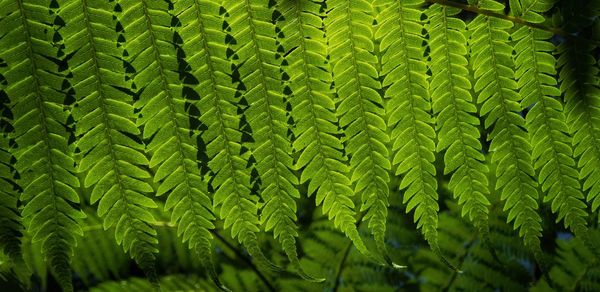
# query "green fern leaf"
(113, 162)
(221, 108)
(545, 121)
(351, 49)
(581, 88)
(491, 56)
(455, 115)
(408, 107)
(313, 112)
(266, 114)
(165, 119)
(44, 158)
(11, 223)
(11, 226)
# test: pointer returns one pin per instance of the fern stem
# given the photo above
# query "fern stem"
(519, 20)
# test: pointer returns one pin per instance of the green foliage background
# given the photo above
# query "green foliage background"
(299, 145)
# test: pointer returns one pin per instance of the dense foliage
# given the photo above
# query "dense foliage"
(299, 145)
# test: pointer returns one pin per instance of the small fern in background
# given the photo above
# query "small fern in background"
(258, 145)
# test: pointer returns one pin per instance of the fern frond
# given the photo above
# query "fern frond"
(112, 160)
(579, 83)
(44, 159)
(352, 51)
(166, 110)
(262, 87)
(545, 121)
(11, 223)
(11, 226)
(221, 107)
(455, 115)
(491, 56)
(408, 107)
(313, 111)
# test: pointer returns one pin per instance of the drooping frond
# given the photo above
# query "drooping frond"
(11, 225)
(313, 111)
(262, 86)
(167, 108)
(409, 109)
(581, 89)
(491, 56)
(112, 160)
(455, 116)
(221, 106)
(360, 107)
(11, 228)
(545, 120)
(36, 82)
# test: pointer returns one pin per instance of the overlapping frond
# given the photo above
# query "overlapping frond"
(113, 158)
(221, 106)
(455, 112)
(545, 120)
(11, 223)
(491, 57)
(226, 113)
(313, 112)
(167, 110)
(11, 227)
(409, 109)
(581, 88)
(172, 121)
(262, 87)
(360, 106)
(36, 82)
